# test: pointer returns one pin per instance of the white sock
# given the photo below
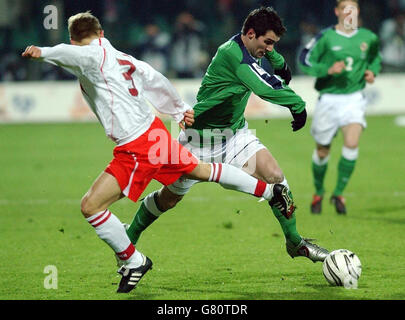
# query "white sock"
(285, 183)
(233, 178)
(150, 204)
(349, 153)
(110, 229)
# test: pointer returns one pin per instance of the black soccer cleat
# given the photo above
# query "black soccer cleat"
(339, 203)
(282, 200)
(316, 204)
(131, 277)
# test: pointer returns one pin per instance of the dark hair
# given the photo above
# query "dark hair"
(83, 25)
(263, 20)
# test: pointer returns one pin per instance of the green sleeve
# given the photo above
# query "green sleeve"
(276, 60)
(310, 58)
(268, 87)
(375, 57)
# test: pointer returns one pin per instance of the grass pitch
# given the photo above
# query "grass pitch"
(216, 244)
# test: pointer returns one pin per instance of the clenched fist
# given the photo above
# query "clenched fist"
(32, 52)
(188, 119)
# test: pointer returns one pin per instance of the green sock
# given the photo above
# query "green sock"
(318, 172)
(345, 170)
(288, 225)
(142, 220)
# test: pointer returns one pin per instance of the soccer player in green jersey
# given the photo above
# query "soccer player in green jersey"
(343, 58)
(220, 131)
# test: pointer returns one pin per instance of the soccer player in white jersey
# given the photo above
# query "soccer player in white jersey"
(117, 87)
(343, 58)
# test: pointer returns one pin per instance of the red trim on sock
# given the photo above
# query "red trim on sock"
(102, 221)
(260, 188)
(98, 217)
(214, 167)
(127, 253)
(219, 172)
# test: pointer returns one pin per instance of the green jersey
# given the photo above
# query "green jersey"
(230, 79)
(359, 51)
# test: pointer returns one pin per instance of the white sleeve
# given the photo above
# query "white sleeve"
(161, 93)
(75, 59)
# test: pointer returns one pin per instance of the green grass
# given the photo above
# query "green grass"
(216, 244)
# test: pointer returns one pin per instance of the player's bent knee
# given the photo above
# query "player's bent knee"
(87, 207)
(201, 172)
(275, 176)
(351, 145)
(322, 151)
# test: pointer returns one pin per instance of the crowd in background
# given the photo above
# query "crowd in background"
(179, 37)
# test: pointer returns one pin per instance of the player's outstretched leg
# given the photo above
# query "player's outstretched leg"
(227, 176)
(134, 264)
(105, 191)
(296, 245)
(230, 177)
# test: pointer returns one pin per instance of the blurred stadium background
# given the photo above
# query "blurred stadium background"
(178, 38)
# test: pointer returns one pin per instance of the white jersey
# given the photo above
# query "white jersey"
(117, 87)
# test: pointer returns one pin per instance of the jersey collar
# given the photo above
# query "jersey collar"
(347, 35)
(246, 55)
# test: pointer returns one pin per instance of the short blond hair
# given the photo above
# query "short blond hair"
(83, 25)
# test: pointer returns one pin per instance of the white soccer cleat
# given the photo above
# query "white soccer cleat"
(307, 249)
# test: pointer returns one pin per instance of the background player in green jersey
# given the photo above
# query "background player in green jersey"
(342, 58)
(220, 131)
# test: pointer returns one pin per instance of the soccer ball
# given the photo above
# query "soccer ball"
(342, 268)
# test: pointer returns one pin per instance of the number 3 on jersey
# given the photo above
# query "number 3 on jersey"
(127, 75)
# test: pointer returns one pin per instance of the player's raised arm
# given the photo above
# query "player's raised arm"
(73, 58)
(270, 88)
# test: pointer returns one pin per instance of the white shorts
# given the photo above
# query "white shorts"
(236, 151)
(334, 111)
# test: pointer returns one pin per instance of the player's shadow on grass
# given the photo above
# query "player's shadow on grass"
(386, 209)
(379, 212)
(238, 295)
(138, 295)
(339, 293)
